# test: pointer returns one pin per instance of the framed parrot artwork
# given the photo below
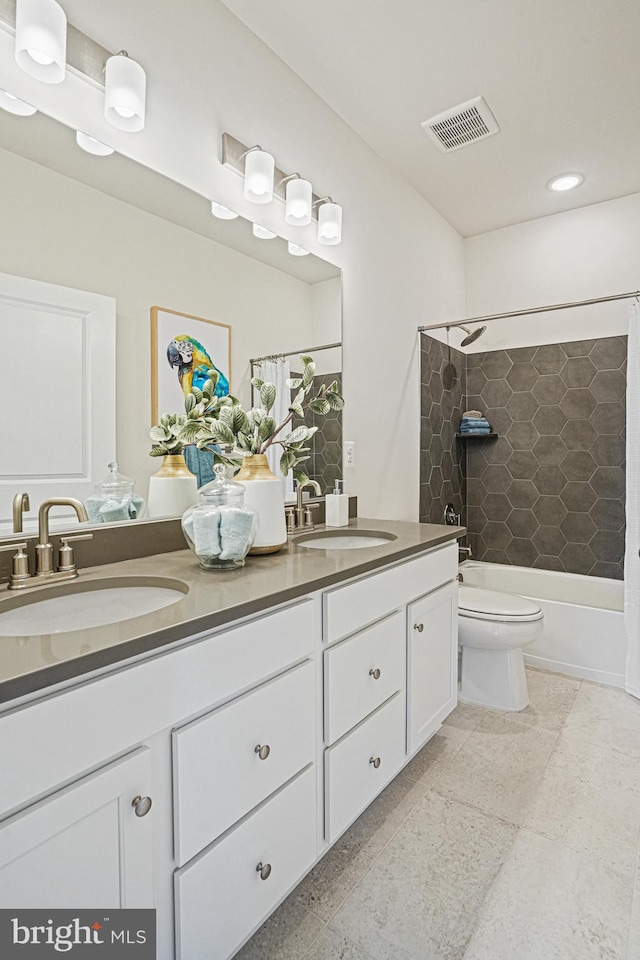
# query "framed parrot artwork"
(183, 348)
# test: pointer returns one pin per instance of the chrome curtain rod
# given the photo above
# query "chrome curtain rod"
(290, 353)
(525, 313)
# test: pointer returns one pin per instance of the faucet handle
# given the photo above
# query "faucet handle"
(14, 546)
(19, 564)
(66, 560)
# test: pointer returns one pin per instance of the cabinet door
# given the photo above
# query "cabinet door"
(83, 846)
(432, 663)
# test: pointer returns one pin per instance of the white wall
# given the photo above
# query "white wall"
(402, 262)
(66, 233)
(577, 255)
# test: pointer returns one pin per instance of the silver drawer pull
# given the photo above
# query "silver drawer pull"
(419, 627)
(375, 674)
(263, 752)
(141, 805)
(264, 869)
(376, 761)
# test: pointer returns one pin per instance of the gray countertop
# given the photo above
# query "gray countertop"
(212, 599)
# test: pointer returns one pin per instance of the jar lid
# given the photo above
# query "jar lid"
(116, 486)
(220, 490)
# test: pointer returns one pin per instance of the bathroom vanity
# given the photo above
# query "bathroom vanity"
(202, 758)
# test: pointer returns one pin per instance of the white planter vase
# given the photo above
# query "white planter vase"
(263, 490)
(172, 490)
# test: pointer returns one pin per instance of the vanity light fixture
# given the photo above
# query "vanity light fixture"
(296, 250)
(262, 233)
(292, 189)
(259, 169)
(14, 105)
(566, 181)
(91, 145)
(41, 39)
(125, 84)
(329, 221)
(222, 213)
(298, 200)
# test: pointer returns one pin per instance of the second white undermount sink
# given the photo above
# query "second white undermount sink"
(353, 540)
(81, 606)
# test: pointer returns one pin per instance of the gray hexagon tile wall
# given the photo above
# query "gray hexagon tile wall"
(549, 491)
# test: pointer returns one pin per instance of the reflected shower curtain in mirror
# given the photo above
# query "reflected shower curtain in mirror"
(631, 559)
(277, 371)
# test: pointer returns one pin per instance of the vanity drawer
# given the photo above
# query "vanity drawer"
(351, 778)
(361, 673)
(349, 608)
(221, 897)
(219, 776)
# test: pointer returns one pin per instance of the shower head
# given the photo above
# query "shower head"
(472, 335)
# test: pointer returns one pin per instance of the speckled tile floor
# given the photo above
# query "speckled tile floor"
(508, 837)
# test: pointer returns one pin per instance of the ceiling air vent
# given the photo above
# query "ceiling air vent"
(461, 125)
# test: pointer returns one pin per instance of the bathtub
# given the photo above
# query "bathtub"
(583, 632)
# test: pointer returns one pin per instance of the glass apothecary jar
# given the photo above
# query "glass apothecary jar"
(221, 528)
(114, 499)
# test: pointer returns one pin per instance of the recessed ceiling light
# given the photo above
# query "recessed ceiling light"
(222, 213)
(566, 181)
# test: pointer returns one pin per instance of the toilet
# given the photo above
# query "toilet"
(493, 628)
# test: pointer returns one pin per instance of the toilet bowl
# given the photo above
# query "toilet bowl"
(493, 628)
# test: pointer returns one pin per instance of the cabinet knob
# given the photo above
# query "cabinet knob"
(263, 752)
(141, 805)
(419, 627)
(264, 869)
(376, 761)
(375, 674)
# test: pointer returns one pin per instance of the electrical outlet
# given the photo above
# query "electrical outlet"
(349, 453)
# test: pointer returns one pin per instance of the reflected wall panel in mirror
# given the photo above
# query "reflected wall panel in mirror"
(108, 226)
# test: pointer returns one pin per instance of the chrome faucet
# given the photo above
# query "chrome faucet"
(44, 549)
(20, 506)
(302, 515)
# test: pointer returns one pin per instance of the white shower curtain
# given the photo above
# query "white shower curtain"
(277, 371)
(632, 559)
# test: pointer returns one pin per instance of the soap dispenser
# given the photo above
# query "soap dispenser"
(336, 507)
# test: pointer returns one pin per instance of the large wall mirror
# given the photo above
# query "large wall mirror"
(110, 228)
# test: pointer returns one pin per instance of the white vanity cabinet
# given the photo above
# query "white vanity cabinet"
(87, 845)
(432, 663)
(258, 744)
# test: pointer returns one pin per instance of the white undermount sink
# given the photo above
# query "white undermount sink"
(352, 540)
(82, 605)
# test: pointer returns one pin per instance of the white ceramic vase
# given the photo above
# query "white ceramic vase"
(172, 490)
(263, 490)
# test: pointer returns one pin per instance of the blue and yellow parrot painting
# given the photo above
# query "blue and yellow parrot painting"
(193, 363)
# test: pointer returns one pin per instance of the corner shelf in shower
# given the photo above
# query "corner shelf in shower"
(476, 436)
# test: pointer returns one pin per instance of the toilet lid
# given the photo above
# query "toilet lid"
(481, 604)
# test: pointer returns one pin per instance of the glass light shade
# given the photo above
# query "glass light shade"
(296, 250)
(297, 209)
(125, 87)
(330, 223)
(13, 105)
(566, 181)
(91, 145)
(262, 233)
(41, 39)
(259, 168)
(222, 213)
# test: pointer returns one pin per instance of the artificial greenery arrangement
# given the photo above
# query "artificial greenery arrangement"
(219, 424)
